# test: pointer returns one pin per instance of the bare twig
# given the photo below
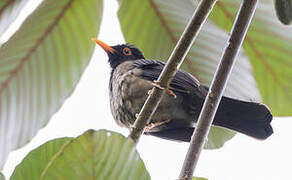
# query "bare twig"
(216, 90)
(173, 64)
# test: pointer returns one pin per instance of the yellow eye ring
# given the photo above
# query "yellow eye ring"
(127, 51)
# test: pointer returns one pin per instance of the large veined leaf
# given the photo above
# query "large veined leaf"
(217, 137)
(2, 177)
(199, 178)
(93, 155)
(36, 161)
(268, 45)
(97, 155)
(9, 9)
(41, 64)
(156, 28)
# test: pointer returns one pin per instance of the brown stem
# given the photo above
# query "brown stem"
(217, 88)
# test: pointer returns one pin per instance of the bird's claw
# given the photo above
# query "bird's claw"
(148, 127)
(155, 124)
(170, 92)
(149, 92)
(136, 115)
(157, 84)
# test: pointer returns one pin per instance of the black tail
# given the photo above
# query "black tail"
(252, 119)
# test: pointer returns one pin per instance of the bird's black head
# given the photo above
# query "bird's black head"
(120, 53)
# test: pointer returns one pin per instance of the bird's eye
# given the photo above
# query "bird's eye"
(127, 51)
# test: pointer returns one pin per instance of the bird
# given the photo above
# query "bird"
(133, 76)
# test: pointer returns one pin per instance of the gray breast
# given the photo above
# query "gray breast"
(128, 93)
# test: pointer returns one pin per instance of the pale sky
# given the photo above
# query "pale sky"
(241, 158)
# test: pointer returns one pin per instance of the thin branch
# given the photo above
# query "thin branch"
(217, 88)
(175, 60)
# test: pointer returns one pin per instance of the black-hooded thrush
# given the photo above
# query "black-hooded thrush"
(132, 77)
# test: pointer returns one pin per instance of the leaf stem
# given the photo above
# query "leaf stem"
(217, 88)
(175, 60)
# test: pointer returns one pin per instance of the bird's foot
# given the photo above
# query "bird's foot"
(157, 84)
(136, 115)
(149, 92)
(156, 124)
(170, 92)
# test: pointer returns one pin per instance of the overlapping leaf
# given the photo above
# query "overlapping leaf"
(37, 160)
(199, 178)
(97, 155)
(2, 176)
(93, 155)
(156, 27)
(268, 45)
(9, 9)
(41, 64)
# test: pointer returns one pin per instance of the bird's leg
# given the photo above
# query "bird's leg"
(136, 115)
(155, 124)
(170, 92)
(157, 84)
(149, 91)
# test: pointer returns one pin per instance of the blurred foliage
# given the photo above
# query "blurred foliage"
(9, 10)
(268, 45)
(41, 64)
(37, 160)
(94, 155)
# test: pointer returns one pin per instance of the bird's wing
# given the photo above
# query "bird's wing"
(181, 81)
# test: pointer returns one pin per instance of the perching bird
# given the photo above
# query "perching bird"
(132, 77)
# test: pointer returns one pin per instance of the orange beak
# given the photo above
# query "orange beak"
(104, 46)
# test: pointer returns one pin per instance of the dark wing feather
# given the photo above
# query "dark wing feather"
(192, 101)
(151, 70)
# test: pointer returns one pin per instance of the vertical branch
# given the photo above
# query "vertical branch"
(175, 60)
(216, 90)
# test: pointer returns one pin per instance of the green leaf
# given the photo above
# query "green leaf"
(97, 155)
(9, 10)
(36, 161)
(199, 178)
(93, 155)
(41, 64)
(284, 10)
(2, 177)
(217, 137)
(268, 45)
(157, 26)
